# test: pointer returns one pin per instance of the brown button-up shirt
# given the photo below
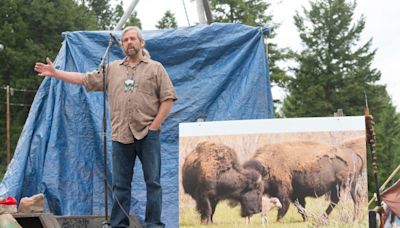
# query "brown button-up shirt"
(132, 109)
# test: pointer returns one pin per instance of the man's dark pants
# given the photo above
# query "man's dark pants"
(123, 161)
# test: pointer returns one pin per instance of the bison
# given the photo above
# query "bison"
(211, 173)
(294, 170)
(356, 146)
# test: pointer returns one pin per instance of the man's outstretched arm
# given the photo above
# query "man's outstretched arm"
(49, 70)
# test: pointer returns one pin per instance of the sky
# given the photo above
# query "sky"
(382, 25)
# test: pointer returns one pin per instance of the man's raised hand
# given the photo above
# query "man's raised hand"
(45, 69)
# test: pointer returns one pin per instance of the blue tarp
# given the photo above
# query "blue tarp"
(220, 72)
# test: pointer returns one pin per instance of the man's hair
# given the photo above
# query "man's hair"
(134, 28)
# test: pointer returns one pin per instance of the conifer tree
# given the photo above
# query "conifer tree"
(102, 11)
(334, 68)
(334, 71)
(134, 21)
(167, 21)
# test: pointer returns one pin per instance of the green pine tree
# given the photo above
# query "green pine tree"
(102, 11)
(117, 14)
(248, 12)
(167, 21)
(134, 21)
(334, 71)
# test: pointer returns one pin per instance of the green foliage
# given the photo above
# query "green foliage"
(102, 11)
(108, 17)
(29, 34)
(334, 71)
(248, 12)
(134, 21)
(118, 12)
(388, 139)
(167, 21)
(2, 171)
(28, 30)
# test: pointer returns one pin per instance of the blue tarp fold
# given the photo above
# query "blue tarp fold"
(220, 72)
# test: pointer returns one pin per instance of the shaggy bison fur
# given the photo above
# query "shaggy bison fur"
(211, 173)
(294, 170)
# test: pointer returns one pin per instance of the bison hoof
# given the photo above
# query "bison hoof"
(205, 221)
(279, 220)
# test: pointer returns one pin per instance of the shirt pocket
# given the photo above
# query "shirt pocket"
(147, 85)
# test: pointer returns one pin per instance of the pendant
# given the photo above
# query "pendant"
(129, 85)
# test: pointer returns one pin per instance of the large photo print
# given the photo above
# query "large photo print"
(298, 172)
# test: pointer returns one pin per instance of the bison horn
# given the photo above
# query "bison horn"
(259, 180)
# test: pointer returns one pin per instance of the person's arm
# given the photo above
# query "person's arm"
(49, 70)
(162, 114)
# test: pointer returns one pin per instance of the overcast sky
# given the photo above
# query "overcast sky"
(382, 24)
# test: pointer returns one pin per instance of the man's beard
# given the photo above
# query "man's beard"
(131, 52)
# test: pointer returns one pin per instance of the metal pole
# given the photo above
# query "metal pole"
(200, 12)
(126, 15)
(207, 11)
(102, 67)
(8, 141)
(118, 27)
